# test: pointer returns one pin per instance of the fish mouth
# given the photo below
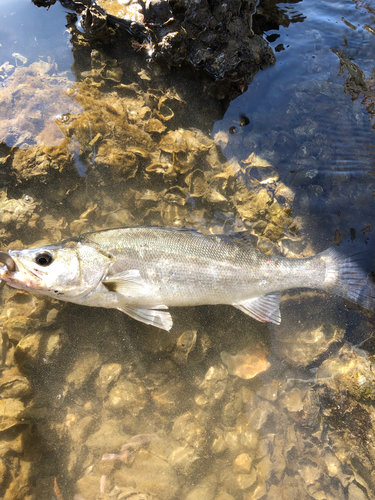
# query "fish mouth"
(10, 265)
(8, 261)
(18, 275)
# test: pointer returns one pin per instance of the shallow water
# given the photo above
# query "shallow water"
(222, 407)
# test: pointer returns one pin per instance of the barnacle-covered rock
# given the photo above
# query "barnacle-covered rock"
(41, 164)
(174, 142)
(108, 438)
(32, 97)
(197, 183)
(17, 213)
(121, 162)
(154, 125)
(107, 376)
(176, 195)
(213, 386)
(24, 304)
(352, 371)
(209, 36)
(345, 390)
(164, 112)
(188, 428)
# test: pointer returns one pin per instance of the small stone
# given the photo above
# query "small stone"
(245, 365)
(243, 463)
(293, 400)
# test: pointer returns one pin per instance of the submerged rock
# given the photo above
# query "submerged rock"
(10, 413)
(151, 474)
(305, 333)
(245, 364)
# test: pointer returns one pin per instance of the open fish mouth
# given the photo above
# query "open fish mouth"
(10, 264)
(8, 261)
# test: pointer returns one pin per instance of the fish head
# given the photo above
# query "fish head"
(66, 271)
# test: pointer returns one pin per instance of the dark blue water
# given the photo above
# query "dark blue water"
(303, 96)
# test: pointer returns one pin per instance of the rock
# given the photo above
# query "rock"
(36, 350)
(108, 375)
(109, 438)
(13, 384)
(127, 395)
(306, 332)
(83, 369)
(10, 410)
(150, 474)
(356, 493)
(243, 463)
(88, 487)
(246, 364)
(188, 428)
(183, 457)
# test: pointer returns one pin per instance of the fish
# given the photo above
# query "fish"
(144, 270)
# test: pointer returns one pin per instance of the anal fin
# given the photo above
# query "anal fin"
(264, 308)
(155, 316)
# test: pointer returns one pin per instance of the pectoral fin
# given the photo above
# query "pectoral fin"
(125, 283)
(155, 316)
(264, 308)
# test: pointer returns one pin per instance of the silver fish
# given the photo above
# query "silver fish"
(144, 270)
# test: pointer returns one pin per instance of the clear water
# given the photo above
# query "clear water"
(301, 428)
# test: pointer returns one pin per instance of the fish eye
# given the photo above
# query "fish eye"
(43, 259)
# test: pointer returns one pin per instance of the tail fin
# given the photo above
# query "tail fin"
(349, 271)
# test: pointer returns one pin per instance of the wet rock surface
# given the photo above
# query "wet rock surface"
(213, 37)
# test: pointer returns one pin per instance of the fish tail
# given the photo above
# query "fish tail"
(349, 272)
